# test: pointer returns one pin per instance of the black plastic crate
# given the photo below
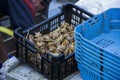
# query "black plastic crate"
(53, 67)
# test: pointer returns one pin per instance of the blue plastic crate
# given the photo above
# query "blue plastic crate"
(100, 64)
(81, 41)
(95, 62)
(95, 54)
(98, 40)
(98, 55)
(90, 73)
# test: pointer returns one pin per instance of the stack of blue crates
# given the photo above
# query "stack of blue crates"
(97, 46)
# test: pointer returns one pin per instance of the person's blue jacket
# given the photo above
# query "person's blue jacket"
(21, 12)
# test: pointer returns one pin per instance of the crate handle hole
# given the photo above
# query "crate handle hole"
(105, 17)
(84, 29)
(92, 23)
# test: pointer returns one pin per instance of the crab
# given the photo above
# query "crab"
(58, 41)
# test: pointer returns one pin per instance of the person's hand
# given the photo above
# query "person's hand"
(38, 5)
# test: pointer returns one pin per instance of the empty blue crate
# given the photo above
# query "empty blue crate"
(97, 41)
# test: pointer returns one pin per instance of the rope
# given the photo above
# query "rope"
(6, 31)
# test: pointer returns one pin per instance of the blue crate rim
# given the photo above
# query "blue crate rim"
(87, 39)
(97, 54)
(93, 43)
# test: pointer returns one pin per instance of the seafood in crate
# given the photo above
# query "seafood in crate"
(59, 41)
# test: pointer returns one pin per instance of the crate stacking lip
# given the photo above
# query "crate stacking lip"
(97, 46)
(53, 67)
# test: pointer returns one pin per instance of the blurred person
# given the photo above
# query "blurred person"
(22, 14)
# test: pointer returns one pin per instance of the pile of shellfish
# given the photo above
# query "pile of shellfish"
(56, 42)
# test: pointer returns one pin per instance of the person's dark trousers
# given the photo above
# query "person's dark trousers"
(21, 12)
